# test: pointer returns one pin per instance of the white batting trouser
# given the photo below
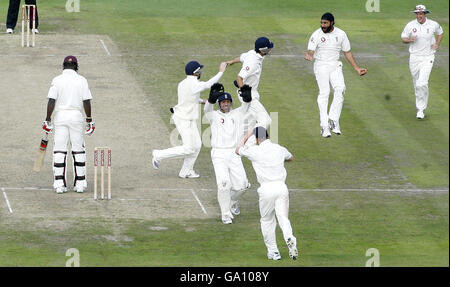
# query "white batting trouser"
(274, 202)
(329, 73)
(190, 149)
(69, 125)
(231, 178)
(420, 67)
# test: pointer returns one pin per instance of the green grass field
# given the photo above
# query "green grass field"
(383, 145)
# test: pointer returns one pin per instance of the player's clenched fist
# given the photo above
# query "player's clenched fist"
(361, 71)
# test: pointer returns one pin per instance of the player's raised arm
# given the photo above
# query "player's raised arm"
(351, 60)
(234, 61)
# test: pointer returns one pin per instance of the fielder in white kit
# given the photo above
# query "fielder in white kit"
(226, 130)
(419, 34)
(250, 74)
(324, 46)
(69, 94)
(185, 116)
(268, 162)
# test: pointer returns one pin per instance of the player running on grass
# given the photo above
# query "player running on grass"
(226, 130)
(185, 115)
(268, 162)
(419, 34)
(325, 46)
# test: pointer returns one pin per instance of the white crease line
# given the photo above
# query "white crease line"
(7, 201)
(199, 202)
(106, 48)
(358, 189)
(25, 188)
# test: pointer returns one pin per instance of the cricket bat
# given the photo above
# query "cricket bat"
(41, 153)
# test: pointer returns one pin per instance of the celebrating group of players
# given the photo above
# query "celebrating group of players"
(241, 131)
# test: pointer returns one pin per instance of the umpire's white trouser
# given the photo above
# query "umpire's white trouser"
(420, 67)
(329, 73)
(231, 178)
(190, 149)
(274, 201)
(69, 125)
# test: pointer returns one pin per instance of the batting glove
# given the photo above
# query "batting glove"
(90, 127)
(47, 127)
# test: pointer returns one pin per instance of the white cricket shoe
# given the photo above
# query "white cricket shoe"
(325, 131)
(335, 128)
(36, 31)
(274, 256)
(9, 31)
(78, 189)
(235, 208)
(191, 174)
(61, 189)
(155, 162)
(227, 220)
(292, 245)
(420, 115)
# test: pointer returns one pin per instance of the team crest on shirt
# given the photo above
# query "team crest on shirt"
(323, 39)
(247, 68)
(222, 120)
(414, 30)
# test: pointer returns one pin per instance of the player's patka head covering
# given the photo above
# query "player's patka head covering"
(421, 8)
(192, 67)
(328, 16)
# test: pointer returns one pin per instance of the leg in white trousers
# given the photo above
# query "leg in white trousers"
(420, 68)
(326, 74)
(274, 202)
(190, 149)
(69, 126)
(231, 178)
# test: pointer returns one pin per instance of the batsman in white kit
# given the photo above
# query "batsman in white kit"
(419, 34)
(249, 76)
(185, 116)
(324, 46)
(69, 94)
(226, 132)
(268, 162)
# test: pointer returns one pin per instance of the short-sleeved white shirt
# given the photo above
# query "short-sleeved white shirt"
(328, 46)
(69, 90)
(251, 70)
(425, 36)
(268, 160)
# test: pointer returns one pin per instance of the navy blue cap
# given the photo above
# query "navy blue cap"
(263, 42)
(192, 67)
(224, 96)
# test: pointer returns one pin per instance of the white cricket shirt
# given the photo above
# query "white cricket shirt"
(69, 90)
(328, 46)
(267, 160)
(189, 94)
(251, 70)
(226, 128)
(425, 36)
